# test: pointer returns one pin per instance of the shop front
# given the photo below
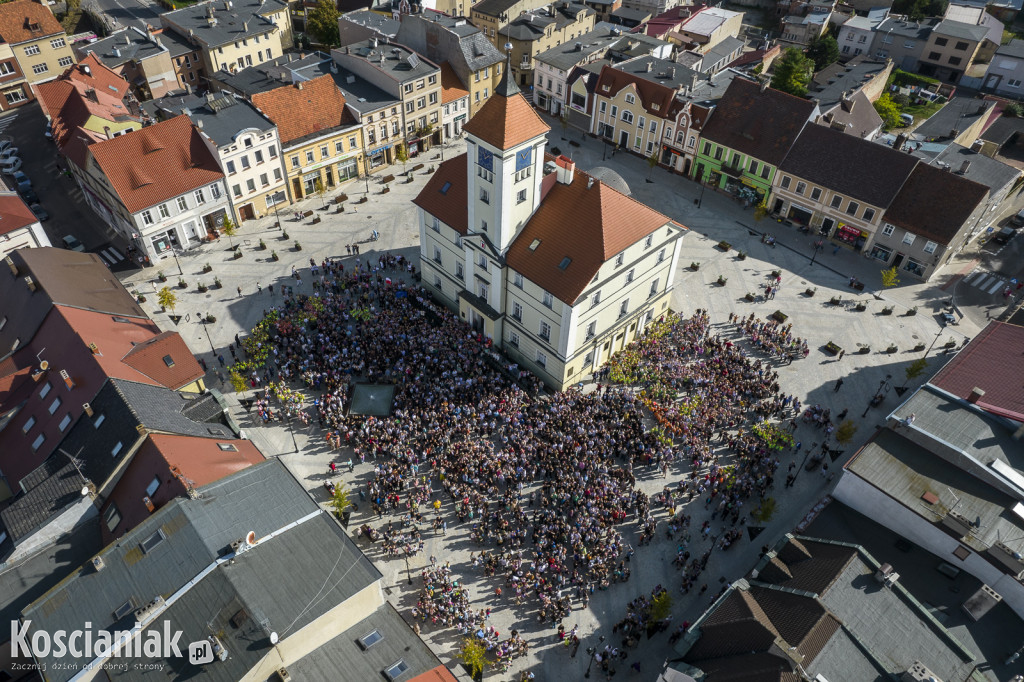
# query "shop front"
(214, 222)
(348, 169)
(379, 157)
(882, 253)
(799, 215)
(851, 236)
(163, 242)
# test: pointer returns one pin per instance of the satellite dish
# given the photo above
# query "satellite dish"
(44, 365)
(274, 639)
(85, 491)
(250, 538)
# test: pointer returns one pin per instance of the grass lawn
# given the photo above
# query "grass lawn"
(921, 112)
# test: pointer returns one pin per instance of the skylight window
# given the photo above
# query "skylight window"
(370, 638)
(534, 244)
(150, 543)
(445, 187)
(227, 447)
(169, 361)
(565, 263)
(396, 670)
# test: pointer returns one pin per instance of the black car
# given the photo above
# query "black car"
(1005, 235)
(30, 196)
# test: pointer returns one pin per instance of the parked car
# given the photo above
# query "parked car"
(1019, 218)
(1005, 235)
(10, 166)
(40, 212)
(9, 152)
(5, 145)
(29, 195)
(906, 120)
(22, 180)
(49, 130)
(71, 242)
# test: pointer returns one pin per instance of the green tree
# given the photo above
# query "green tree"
(322, 22)
(823, 51)
(792, 72)
(844, 434)
(229, 228)
(916, 368)
(920, 9)
(167, 298)
(761, 210)
(473, 655)
(1013, 110)
(888, 110)
(765, 511)
(237, 381)
(318, 187)
(661, 606)
(402, 154)
(652, 162)
(342, 499)
(890, 278)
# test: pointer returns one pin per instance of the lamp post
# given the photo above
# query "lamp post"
(212, 349)
(408, 571)
(818, 246)
(592, 650)
(942, 328)
(884, 384)
(174, 254)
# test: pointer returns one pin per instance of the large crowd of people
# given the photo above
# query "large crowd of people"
(545, 484)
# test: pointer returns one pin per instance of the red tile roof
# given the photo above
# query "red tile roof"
(93, 73)
(656, 98)
(156, 163)
(589, 225)
(17, 20)
(201, 460)
(994, 362)
(934, 203)
(504, 122)
(14, 214)
(304, 108)
(451, 86)
(150, 359)
(438, 674)
(449, 206)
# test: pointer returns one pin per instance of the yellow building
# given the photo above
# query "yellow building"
(540, 30)
(321, 140)
(233, 34)
(37, 39)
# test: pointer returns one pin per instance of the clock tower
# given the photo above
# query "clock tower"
(504, 159)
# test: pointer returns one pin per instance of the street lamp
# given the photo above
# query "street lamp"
(818, 246)
(592, 650)
(408, 571)
(703, 186)
(942, 328)
(884, 384)
(174, 254)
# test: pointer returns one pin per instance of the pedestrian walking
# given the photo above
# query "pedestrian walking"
(239, 292)
(220, 359)
(842, 353)
(796, 448)
(259, 288)
(839, 385)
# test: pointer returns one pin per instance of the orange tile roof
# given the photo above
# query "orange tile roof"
(451, 86)
(504, 122)
(93, 73)
(156, 163)
(148, 358)
(17, 19)
(200, 460)
(588, 225)
(14, 214)
(450, 206)
(304, 108)
(438, 674)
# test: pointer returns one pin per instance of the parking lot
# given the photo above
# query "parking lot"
(58, 194)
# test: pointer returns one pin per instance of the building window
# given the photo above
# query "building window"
(888, 229)
(837, 201)
(65, 61)
(437, 255)
(545, 331)
(766, 170)
(484, 196)
(40, 68)
(295, 160)
(250, 184)
(930, 247)
(596, 301)
(707, 149)
(955, 61)
(542, 359)
(147, 217)
(629, 275)
(29, 423)
(55, 405)
(264, 179)
(310, 156)
(64, 422)
(815, 193)
(521, 196)
(627, 116)
(934, 56)
(661, 255)
(619, 259)
(624, 308)
(869, 214)
(1013, 83)
(648, 241)
(851, 208)
(548, 300)
(801, 187)
(37, 443)
(909, 238)
(630, 99)
(591, 330)
(458, 271)
(960, 45)
(437, 283)
(941, 42)
(114, 451)
(32, 50)
(482, 262)
(153, 486)
(112, 517)
(323, 152)
(517, 280)
(15, 96)
(259, 156)
(236, 190)
(200, 197)
(164, 211)
(513, 339)
(654, 288)
(786, 181)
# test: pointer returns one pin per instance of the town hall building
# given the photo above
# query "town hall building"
(558, 268)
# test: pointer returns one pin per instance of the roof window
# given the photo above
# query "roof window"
(227, 447)
(534, 244)
(565, 263)
(445, 187)
(150, 543)
(370, 638)
(169, 361)
(396, 669)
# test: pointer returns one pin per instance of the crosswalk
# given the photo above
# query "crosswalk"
(986, 281)
(6, 121)
(110, 255)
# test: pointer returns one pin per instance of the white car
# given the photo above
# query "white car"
(5, 145)
(8, 153)
(10, 166)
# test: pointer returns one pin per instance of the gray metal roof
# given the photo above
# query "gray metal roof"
(161, 409)
(276, 579)
(220, 116)
(958, 114)
(841, 658)
(493, 8)
(632, 45)
(988, 171)
(268, 75)
(244, 19)
(908, 29)
(360, 94)
(343, 653)
(958, 29)
(24, 581)
(630, 13)
(566, 56)
(659, 72)
(176, 45)
(441, 38)
(130, 44)
(905, 471)
(1015, 48)
(393, 60)
(49, 490)
(532, 25)
(722, 50)
(708, 91)
(386, 26)
(829, 84)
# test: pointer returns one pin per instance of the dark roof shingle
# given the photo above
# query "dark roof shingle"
(934, 203)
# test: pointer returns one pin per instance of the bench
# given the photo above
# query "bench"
(385, 190)
(363, 200)
(387, 178)
(307, 214)
(315, 220)
(417, 167)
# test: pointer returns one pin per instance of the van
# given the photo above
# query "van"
(906, 120)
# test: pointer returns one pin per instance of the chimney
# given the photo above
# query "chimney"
(199, 124)
(299, 85)
(671, 72)
(964, 167)
(106, 131)
(975, 396)
(30, 283)
(566, 170)
(590, 182)
(648, 66)
(87, 408)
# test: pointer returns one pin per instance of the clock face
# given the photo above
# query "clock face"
(485, 159)
(524, 159)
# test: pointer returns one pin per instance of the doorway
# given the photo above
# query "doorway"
(297, 188)
(623, 139)
(246, 212)
(898, 260)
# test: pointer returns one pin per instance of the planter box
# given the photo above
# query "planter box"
(835, 300)
(886, 311)
(315, 220)
(919, 347)
(891, 349)
(809, 292)
(859, 286)
(832, 348)
(950, 344)
(238, 254)
(362, 200)
(724, 246)
(749, 297)
(741, 256)
(861, 307)
(385, 190)
(780, 316)
(695, 266)
(864, 350)
(912, 312)
(307, 214)
(417, 167)
(387, 178)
